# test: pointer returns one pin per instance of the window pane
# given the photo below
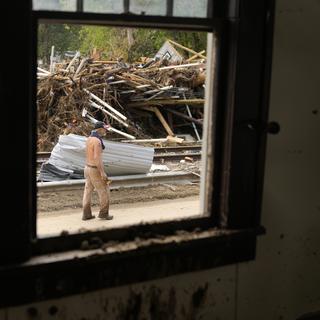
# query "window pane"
(103, 6)
(149, 7)
(190, 8)
(55, 5)
(149, 86)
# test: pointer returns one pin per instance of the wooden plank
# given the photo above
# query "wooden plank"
(196, 56)
(105, 61)
(179, 66)
(73, 60)
(179, 114)
(187, 49)
(167, 102)
(163, 121)
(170, 120)
(83, 61)
(161, 118)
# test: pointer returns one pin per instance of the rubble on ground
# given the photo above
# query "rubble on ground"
(141, 100)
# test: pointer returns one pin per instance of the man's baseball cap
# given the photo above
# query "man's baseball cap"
(100, 124)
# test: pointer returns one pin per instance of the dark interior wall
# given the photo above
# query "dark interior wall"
(190, 296)
(283, 282)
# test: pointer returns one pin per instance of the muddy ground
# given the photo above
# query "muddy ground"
(63, 200)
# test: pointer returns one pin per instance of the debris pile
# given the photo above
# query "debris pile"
(143, 100)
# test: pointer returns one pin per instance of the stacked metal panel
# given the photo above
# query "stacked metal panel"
(68, 159)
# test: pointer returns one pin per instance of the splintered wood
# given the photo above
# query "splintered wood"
(141, 100)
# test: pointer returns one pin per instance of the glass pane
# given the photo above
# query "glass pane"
(55, 5)
(103, 6)
(148, 7)
(149, 86)
(190, 8)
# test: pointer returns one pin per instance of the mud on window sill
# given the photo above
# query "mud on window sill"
(99, 264)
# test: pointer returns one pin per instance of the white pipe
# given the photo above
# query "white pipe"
(157, 90)
(183, 66)
(42, 184)
(105, 104)
(40, 74)
(129, 136)
(51, 59)
(143, 86)
(117, 82)
(111, 129)
(147, 140)
(43, 70)
(95, 105)
(193, 125)
(86, 115)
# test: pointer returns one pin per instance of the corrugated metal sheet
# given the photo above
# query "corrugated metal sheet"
(119, 158)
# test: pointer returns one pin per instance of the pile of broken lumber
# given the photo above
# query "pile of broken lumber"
(141, 100)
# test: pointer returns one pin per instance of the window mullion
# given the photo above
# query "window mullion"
(79, 5)
(126, 6)
(170, 8)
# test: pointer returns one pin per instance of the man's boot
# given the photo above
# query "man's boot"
(105, 216)
(87, 216)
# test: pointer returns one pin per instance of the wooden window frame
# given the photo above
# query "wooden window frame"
(45, 268)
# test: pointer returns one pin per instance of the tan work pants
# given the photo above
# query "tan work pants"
(95, 181)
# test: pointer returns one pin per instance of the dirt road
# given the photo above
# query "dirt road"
(124, 215)
(52, 201)
(61, 211)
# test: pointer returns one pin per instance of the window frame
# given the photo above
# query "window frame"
(57, 243)
(229, 234)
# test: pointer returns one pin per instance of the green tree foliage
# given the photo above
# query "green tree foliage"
(113, 43)
(148, 42)
(131, 44)
(62, 36)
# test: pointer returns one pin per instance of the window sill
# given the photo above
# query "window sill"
(113, 264)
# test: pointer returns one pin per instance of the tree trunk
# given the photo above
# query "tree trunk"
(130, 38)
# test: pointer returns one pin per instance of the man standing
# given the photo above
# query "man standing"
(95, 175)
